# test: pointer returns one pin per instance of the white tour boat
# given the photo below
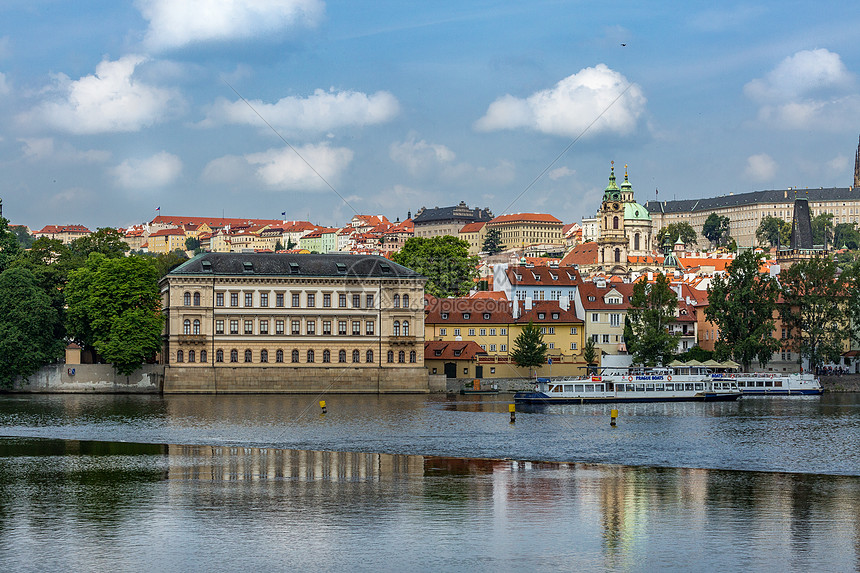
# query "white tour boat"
(632, 385)
(772, 383)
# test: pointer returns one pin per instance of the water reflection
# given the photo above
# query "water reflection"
(92, 506)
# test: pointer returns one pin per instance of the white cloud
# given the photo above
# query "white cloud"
(173, 23)
(4, 85)
(760, 167)
(839, 163)
(571, 106)
(421, 158)
(111, 100)
(810, 89)
(282, 168)
(560, 172)
(44, 148)
(319, 112)
(157, 171)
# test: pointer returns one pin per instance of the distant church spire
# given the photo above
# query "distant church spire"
(857, 166)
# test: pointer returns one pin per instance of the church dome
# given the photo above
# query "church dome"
(636, 212)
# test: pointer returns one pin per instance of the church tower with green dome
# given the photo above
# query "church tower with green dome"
(625, 227)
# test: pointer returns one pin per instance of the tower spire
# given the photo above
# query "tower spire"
(857, 166)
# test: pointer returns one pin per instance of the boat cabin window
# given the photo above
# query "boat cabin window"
(700, 386)
(589, 387)
(578, 387)
(777, 383)
(556, 388)
(640, 387)
(630, 387)
(768, 383)
(659, 387)
(568, 387)
(688, 386)
(760, 384)
(649, 387)
(670, 387)
(619, 387)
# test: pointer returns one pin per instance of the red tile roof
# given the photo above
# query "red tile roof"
(551, 312)
(473, 227)
(543, 276)
(584, 254)
(525, 217)
(467, 311)
(62, 229)
(447, 350)
(587, 290)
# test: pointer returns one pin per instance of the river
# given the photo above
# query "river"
(430, 483)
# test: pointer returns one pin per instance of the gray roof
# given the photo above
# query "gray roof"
(753, 198)
(459, 212)
(281, 264)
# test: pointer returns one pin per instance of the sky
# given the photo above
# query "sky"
(322, 109)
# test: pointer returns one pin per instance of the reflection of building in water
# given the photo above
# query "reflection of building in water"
(236, 463)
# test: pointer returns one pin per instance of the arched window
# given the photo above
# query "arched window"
(310, 355)
(356, 356)
(369, 357)
(396, 328)
(234, 355)
(191, 356)
(397, 301)
(413, 357)
(196, 329)
(405, 328)
(264, 356)
(614, 222)
(405, 301)
(295, 356)
(248, 355)
(401, 357)
(341, 356)
(279, 355)
(180, 357)
(186, 299)
(203, 357)
(219, 355)
(617, 255)
(326, 356)
(196, 299)
(390, 356)
(186, 327)
(636, 242)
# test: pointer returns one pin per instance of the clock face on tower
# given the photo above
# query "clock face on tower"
(615, 206)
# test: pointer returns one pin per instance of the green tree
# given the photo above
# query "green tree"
(652, 311)
(445, 261)
(811, 310)
(105, 240)
(716, 229)
(845, 234)
(9, 246)
(774, 231)
(290, 244)
(674, 230)
(192, 244)
(114, 306)
(493, 242)
(279, 246)
(741, 304)
(529, 350)
(822, 229)
(589, 353)
(851, 284)
(25, 239)
(166, 262)
(27, 326)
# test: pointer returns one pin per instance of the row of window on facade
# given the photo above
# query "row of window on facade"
(398, 328)
(310, 356)
(398, 301)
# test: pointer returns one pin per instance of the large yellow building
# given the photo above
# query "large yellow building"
(266, 322)
(524, 229)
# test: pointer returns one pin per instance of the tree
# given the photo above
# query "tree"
(589, 353)
(445, 261)
(844, 234)
(114, 306)
(851, 284)
(290, 244)
(774, 231)
(675, 230)
(741, 304)
(27, 326)
(822, 229)
(9, 246)
(716, 229)
(25, 239)
(105, 240)
(529, 350)
(493, 242)
(279, 246)
(192, 244)
(652, 311)
(811, 310)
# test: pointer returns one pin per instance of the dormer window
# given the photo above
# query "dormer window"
(438, 352)
(486, 316)
(555, 316)
(294, 268)
(467, 315)
(457, 352)
(684, 311)
(592, 299)
(553, 277)
(341, 268)
(519, 277)
(444, 316)
(541, 315)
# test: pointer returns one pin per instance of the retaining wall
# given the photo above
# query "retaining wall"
(92, 378)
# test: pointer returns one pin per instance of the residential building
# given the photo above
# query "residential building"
(520, 230)
(454, 359)
(474, 234)
(530, 283)
(166, 241)
(443, 221)
(603, 306)
(261, 322)
(64, 233)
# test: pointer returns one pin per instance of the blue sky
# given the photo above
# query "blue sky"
(109, 109)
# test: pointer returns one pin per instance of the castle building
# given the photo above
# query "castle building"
(625, 226)
(273, 322)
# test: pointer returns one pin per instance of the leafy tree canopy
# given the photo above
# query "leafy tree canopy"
(114, 306)
(9, 246)
(822, 229)
(716, 229)
(493, 242)
(652, 310)
(773, 231)
(681, 229)
(105, 240)
(25, 239)
(846, 234)
(445, 261)
(529, 349)
(811, 310)
(741, 304)
(851, 278)
(589, 352)
(28, 324)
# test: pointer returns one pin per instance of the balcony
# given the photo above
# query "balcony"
(192, 338)
(404, 340)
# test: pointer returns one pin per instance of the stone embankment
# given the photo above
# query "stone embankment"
(92, 379)
(844, 383)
